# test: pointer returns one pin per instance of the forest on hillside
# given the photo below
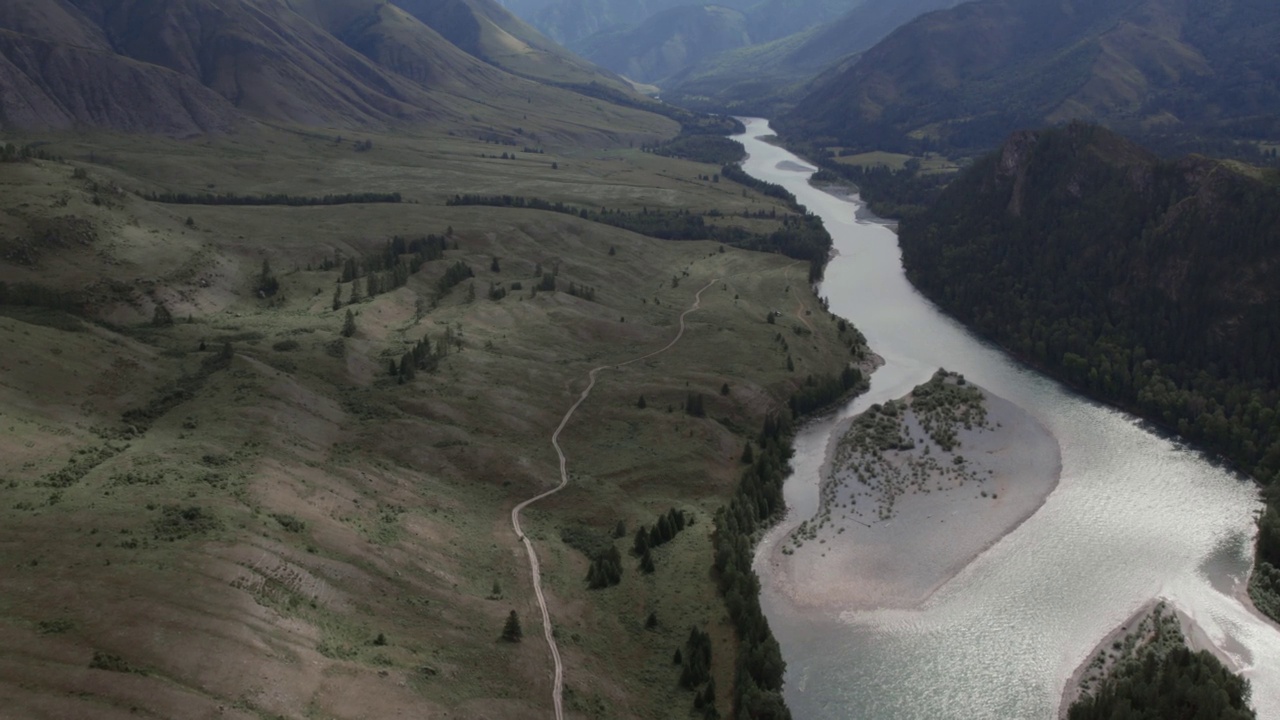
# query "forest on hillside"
(1149, 284)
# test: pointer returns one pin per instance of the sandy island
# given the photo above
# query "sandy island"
(912, 492)
(1123, 643)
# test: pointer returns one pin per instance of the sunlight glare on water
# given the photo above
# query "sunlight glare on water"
(1134, 517)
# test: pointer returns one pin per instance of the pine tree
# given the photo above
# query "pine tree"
(393, 370)
(646, 562)
(642, 541)
(349, 325)
(511, 631)
(678, 658)
(641, 403)
(651, 622)
(337, 296)
(748, 456)
(493, 266)
(620, 530)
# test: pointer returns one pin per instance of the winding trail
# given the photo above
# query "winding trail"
(558, 689)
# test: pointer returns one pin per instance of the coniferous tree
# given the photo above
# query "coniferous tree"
(511, 631)
(349, 325)
(748, 456)
(641, 403)
(337, 297)
(642, 541)
(646, 562)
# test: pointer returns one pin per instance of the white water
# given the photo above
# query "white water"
(1135, 517)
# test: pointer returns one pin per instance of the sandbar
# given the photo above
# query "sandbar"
(913, 491)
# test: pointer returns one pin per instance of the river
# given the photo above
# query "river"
(1136, 516)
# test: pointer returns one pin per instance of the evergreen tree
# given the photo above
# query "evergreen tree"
(511, 631)
(161, 317)
(641, 403)
(651, 622)
(620, 530)
(337, 297)
(748, 456)
(646, 562)
(349, 325)
(493, 266)
(642, 541)
(267, 282)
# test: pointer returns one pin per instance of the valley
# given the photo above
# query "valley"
(466, 358)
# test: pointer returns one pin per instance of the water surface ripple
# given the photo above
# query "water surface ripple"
(1136, 516)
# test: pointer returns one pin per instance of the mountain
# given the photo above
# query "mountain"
(651, 39)
(488, 31)
(965, 77)
(767, 77)
(668, 41)
(571, 22)
(1151, 284)
(197, 66)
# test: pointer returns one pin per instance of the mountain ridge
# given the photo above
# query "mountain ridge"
(196, 66)
(1149, 68)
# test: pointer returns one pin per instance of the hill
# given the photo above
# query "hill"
(197, 66)
(1162, 70)
(1152, 284)
(219, 499)
(768, 78)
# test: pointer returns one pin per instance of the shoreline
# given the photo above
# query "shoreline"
(1193, 636)
(894, 545)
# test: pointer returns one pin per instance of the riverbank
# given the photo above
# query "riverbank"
(911, 493)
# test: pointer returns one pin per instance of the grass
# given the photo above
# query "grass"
(278, 509)
(929, 163)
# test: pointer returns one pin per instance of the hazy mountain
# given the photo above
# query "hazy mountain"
(199, 65)
(570, 22)
(669, 41)
(967, 76)
(488, 31)
(766, 77)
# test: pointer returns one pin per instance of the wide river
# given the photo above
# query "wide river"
(1136, 516)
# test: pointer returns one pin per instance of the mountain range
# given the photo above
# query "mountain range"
(964, 78)
(197, 66)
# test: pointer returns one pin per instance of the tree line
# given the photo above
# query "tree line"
(802, 236)
(172, 198)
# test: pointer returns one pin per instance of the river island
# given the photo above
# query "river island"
(912, 491)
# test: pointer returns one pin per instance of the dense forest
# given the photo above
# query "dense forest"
(1151, 284)
(1154, 676)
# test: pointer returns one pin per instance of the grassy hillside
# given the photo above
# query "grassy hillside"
(216, 501)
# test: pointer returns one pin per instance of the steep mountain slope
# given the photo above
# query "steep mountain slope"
(570, 22)
(1152, 284)
(668, 41)
(195, 66)
(488, 31)
(765, 77)
(966, 77)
